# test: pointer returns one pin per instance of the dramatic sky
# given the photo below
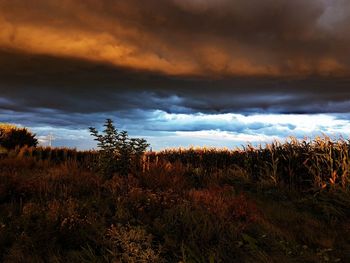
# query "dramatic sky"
(176, 72)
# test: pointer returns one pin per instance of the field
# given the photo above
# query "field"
(284, 202)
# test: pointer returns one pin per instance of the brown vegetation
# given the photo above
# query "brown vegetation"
(286, 202)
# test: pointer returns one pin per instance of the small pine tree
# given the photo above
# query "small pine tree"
(117, 151)
(108, 148)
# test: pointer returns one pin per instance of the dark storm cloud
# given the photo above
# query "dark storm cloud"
(32, 83)
(187, 37)
(77, 62)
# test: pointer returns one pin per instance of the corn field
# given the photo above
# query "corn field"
(299, 165)
(294, 164)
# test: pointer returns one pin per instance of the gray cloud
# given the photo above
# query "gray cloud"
(31, 83)
(75, 63)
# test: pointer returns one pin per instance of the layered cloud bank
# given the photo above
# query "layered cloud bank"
(187, 37)
(73, 63)
(163, 129)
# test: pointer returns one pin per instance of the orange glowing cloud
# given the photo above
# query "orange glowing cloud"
(203, 38)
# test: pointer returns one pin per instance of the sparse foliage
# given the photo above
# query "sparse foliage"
(117, 151)
(131, 244)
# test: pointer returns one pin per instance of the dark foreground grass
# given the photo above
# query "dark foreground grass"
(63, 212)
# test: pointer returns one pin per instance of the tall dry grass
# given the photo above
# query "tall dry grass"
(294, 164)
(284, 202)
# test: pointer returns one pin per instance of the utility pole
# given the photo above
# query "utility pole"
(50, 138)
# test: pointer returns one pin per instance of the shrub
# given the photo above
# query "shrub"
(132, 244)
(12, 137)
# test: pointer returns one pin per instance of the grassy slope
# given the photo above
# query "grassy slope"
(60, 213)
